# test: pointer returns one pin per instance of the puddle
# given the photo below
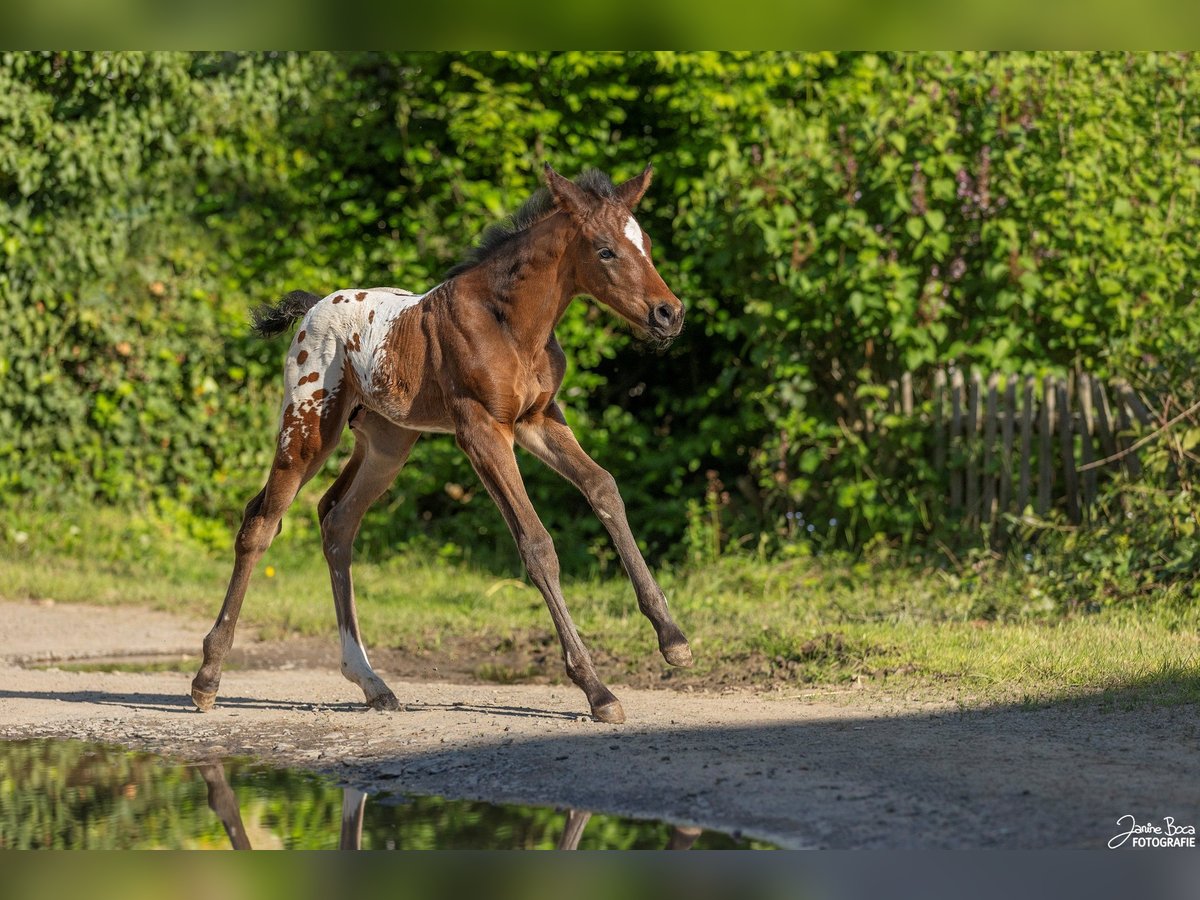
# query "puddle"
(75, 795)
(159, 662)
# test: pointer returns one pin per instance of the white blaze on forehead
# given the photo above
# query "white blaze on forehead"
(633, 231)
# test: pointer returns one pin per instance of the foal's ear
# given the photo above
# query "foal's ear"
(568, 196)
(631, 192)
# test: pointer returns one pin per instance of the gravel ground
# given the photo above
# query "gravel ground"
(796, 769)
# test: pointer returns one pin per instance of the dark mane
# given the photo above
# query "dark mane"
(532, 211)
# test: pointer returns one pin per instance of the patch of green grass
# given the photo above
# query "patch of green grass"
(498, 673)
(186, 665)
(806, 623)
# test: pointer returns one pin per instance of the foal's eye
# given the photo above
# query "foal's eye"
(607, 254)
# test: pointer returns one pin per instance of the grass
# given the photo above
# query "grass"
(184, 665)
(872, 629)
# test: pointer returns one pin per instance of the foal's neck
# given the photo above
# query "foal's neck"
(533, 283)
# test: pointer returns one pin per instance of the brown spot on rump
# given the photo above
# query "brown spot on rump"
(301, 357)
(370, 317)
(311, 376)
(319, 394)
(354, 344)
(340, 299)
(361, 295)
(300, 336)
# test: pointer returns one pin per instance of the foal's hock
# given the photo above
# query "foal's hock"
(475, 357)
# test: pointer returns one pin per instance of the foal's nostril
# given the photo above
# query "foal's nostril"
(663, 315)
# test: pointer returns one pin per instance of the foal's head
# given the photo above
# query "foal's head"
(612, 256)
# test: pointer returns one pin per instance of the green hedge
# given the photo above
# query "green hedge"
(830, 219)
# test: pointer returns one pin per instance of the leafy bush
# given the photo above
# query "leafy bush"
(832, 220)
(1019, 212)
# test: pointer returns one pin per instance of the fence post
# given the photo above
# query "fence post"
(1045, 448)
(1124, 429)
(989, 442)
(1006, 442)
(1108, 443)
(972, 430)
(939, 420)
(956, 418)
(1026, 445)
(1084, 386)
(1067, 447)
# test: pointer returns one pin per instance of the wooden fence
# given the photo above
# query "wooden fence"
(1006, 442)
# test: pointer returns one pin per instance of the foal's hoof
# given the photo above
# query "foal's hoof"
(204, 700)
(610, 712)
(384, 702)
(678, 654)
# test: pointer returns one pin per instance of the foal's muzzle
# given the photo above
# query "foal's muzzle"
(665, 322)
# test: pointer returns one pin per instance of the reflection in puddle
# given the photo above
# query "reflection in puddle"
(69, 794)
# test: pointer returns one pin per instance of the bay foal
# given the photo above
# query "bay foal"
(475, 357)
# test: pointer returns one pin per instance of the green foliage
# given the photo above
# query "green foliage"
(125, 374)
(831, 220)
(1012, 211)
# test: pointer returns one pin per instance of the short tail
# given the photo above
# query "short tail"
(271, 319)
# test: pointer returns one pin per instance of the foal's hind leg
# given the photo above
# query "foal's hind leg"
(380, 451)
(304, 445)
(354, 803)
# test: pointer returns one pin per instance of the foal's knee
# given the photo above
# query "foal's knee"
(255, 536)
(603, 494)
(539, 556)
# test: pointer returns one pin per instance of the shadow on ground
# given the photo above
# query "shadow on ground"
(1056, 774)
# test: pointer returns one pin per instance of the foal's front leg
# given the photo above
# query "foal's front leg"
(489, 445)
(550, 439)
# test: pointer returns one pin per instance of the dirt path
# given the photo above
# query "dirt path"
(797, 770)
